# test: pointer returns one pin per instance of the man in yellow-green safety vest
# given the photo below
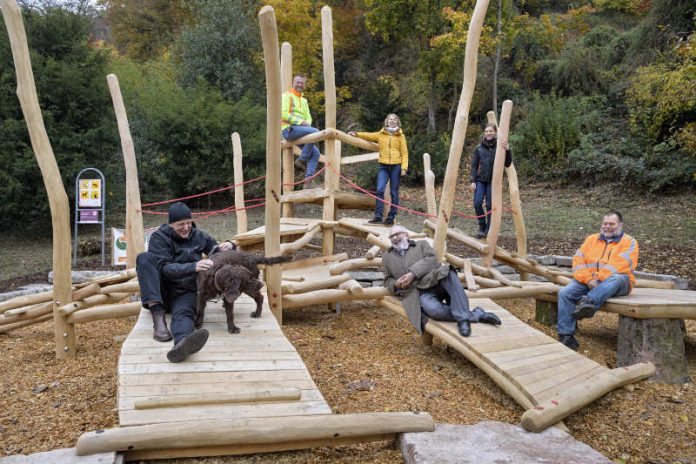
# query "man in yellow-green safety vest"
(297, 122)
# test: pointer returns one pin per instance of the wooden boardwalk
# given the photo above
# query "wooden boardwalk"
(259, 358)
(541, 374)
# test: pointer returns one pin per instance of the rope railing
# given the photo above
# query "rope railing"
(210, 192)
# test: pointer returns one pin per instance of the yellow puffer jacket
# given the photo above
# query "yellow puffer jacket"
(392, 147)
(599, 259)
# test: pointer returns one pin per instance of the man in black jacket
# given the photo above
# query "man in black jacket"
(167, 278)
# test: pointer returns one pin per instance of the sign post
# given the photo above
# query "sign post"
(90, 205)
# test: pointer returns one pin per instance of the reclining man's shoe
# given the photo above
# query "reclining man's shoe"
(192, 343)
(586, 307)
(569, 341)
(464, 328)
(490, 318)
(161, 332)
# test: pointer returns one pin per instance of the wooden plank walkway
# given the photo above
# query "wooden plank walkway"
(258, 358)
(530, 366)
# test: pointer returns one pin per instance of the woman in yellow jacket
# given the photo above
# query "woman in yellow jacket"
(393, 164)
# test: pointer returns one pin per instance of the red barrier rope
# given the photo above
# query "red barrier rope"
(306, 178)
(204, 193)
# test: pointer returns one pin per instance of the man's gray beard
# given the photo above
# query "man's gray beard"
(402, 245)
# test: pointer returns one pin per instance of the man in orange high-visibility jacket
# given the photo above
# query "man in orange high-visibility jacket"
(296, 123)
(602, 268)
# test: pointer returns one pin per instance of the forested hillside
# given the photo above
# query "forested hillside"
(604, 90)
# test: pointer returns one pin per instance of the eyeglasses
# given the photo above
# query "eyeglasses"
(397, 233)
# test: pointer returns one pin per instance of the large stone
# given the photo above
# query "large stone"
(546, 260)
(680, 283)
(495, 442)
(63, 456)
(79, 277)
(366, 275)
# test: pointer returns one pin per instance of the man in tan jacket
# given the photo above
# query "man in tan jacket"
(426, 287)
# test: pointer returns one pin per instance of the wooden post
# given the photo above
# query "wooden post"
(429, 185)
(238, 174)
(460, 124)
(272, 274)
(288, 156)
(135, 234)
(497, 183)
(333, 162)
(515, 205)
(57, 198)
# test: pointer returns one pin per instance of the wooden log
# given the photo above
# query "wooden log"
(243, 396)
(461, 238)
(91, 301)
(27, 313)
(355, 141)
(662, 284)
(350, 200)
(317, 261)
(316, 137)
(373, 252)
(238, 176)
(660, 341)
(318, 297)
(291, 247)
(378, 241)
(57, 197)
(360, 158)
(272, 274)
(487, 283)
(315, 195)
(112, 279)
(98, 313)
(353, 286)
(497, 183)
(351, 264)
(250, 431)
(503, 293)
(288, 209)
(546, 312)
(18, 325)
(331, 150)
(469, 276)
(460, 125)
(541, 416)
(84, 292)
(294, 279)
(134, 233)
(429, 180)
(131, 286)
(26, 300)
(304, 287)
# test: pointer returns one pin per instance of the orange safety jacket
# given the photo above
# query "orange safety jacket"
(599, 258)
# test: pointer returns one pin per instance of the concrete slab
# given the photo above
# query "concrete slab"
(28, 290)
(495, 443)
(63, 456)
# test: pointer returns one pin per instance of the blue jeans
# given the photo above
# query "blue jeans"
(310, 152)
(456, 304)
(568, 297)
(388, 173)
(483, 190)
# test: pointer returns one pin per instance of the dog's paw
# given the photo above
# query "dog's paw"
(256, 314)
(234, 330)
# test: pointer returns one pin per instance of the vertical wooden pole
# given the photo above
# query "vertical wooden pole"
(460, 123)
(497, 183)
(269, 36)
(237, 156)
(57, 197)
(429, 185)
(515, 205)
(135, 234)
(288, 157)
(333, 163)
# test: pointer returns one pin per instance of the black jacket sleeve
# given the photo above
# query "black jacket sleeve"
(475, 165)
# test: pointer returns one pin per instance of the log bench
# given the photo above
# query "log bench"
(651, 328)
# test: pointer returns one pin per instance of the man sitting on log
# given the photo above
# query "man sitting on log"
(602, 268)
(426, 287)
(167, 278)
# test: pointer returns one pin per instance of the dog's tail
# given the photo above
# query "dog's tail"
(272, 259)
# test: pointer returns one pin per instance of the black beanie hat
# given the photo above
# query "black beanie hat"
(179, 212)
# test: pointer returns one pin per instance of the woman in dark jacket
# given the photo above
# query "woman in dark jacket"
(482, 173)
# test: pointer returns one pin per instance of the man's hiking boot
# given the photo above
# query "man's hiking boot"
(192, 343)
(300, 164)
(464, 328)
(388, 222)
(569, 341)
(159, 323)
(586, 307)
(375, 220)
(490, 318)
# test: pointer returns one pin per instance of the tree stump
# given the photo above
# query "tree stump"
(546, 312)
(660, 341)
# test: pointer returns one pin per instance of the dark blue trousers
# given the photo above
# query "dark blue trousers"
(153, 290)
